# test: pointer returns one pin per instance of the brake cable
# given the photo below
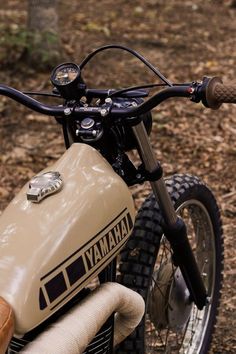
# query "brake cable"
(131, 51)
(133, 88)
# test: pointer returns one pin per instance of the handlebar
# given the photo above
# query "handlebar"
(30, 102)
(77, 111)
(210, 91)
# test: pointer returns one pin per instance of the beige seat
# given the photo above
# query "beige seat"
(6, 325)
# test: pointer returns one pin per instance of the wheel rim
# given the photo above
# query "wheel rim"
(181, 336)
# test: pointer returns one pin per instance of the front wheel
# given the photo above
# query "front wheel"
(173, 324)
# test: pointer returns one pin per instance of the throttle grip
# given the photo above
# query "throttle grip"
(217, 93)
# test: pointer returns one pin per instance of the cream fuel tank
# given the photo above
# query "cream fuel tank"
(50, 250)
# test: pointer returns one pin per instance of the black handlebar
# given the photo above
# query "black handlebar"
(211, 92)
(30, 102)
(76, 111)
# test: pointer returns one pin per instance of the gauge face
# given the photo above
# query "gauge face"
(64, 74)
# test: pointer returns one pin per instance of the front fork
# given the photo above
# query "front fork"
(175, 229)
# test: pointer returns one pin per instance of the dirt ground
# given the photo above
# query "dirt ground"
(186, 40)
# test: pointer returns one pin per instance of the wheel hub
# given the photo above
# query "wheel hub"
(169, 304)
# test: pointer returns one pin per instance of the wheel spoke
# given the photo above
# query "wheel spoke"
(171, 339)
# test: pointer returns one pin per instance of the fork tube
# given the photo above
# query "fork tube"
(175, 231)
(150, 163)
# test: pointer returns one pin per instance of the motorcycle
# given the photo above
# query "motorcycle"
(67, 231)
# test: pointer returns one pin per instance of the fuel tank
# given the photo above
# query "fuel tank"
(50, 250)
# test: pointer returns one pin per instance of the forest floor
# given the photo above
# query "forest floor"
(186, 40)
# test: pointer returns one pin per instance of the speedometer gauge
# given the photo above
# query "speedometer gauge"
(65, 74)
(66, 78)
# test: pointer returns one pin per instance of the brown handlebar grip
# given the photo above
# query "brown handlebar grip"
(225, 94)
(217, 93)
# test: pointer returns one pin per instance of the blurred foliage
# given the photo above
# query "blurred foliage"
(13, 42)
(19, 44)
(42, 49)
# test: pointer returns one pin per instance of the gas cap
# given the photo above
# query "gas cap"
(44, 185)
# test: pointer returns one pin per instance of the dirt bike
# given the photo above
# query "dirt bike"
(68, 226)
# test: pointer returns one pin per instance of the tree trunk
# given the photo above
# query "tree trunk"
(44, 43)
(233, 3)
